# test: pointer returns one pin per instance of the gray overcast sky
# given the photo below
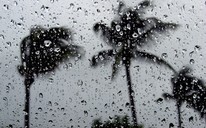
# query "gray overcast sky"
(64, 91)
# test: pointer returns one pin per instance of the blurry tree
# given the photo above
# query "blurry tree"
(41, 52)
(117, 122)
(126, 35)
(187, 88)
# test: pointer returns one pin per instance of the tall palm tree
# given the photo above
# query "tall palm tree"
(187, 88)
(125, 35)
(41, 52)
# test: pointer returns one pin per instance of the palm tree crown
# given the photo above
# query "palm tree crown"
(44, 49)
(128, 33)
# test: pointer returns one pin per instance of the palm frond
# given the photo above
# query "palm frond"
(59, 33)
(101, 26)
(70, 50)
(44, 49)
(167, 96)
(159, 25)
(121, 5)
(152, 58)
(102, 57)
(25, 51)
(151, 26)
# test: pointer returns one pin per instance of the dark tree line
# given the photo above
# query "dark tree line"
(116, 122)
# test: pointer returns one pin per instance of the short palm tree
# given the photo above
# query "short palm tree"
(125, 35)
(41, 52)
(187, 88)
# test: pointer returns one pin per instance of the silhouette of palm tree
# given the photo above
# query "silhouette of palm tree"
(190, 89)
(125, 35)
(41, 52)
(117, 122)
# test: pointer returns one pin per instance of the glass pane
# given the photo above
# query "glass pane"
(86, 60)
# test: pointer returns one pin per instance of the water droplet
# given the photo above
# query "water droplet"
(119, 44)
(50, 121)
(191, 119)
(8, 43)
(79, 82)
(98, 10)
(15, 3)
(135, 35)
(6, 6)
(66, 66)
(71, 6)
(37, 52)
(194, 96)
(128, 26)
(1, 36)
(171, 125)
(5, 100)
(85, 113)
(62, 109)
(159, 101)
(192, 61)
(47, 43)
(57, 49)
(49, 103)
(40, 95)
(127, 105)
(140, 31)
(24, 112)
(44, 8)
(79, 9)
(16, 57)
(7, 89)
(56, 104)
(70, 65)
(191, 53)
(121, 33)
(118, 27)
(164, 55)
(163, 120)
(40, 109)
(197, 48)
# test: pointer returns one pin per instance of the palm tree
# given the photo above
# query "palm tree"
(117, 122)
(187, 88)
(125, 35)
(41, 52)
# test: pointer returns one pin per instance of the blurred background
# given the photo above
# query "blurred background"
(76, 94)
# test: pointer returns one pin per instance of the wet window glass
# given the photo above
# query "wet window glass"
(102, 64)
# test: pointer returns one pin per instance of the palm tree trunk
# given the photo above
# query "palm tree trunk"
(131, 96)
(27, 107)
(28, 81)
(179, 113)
